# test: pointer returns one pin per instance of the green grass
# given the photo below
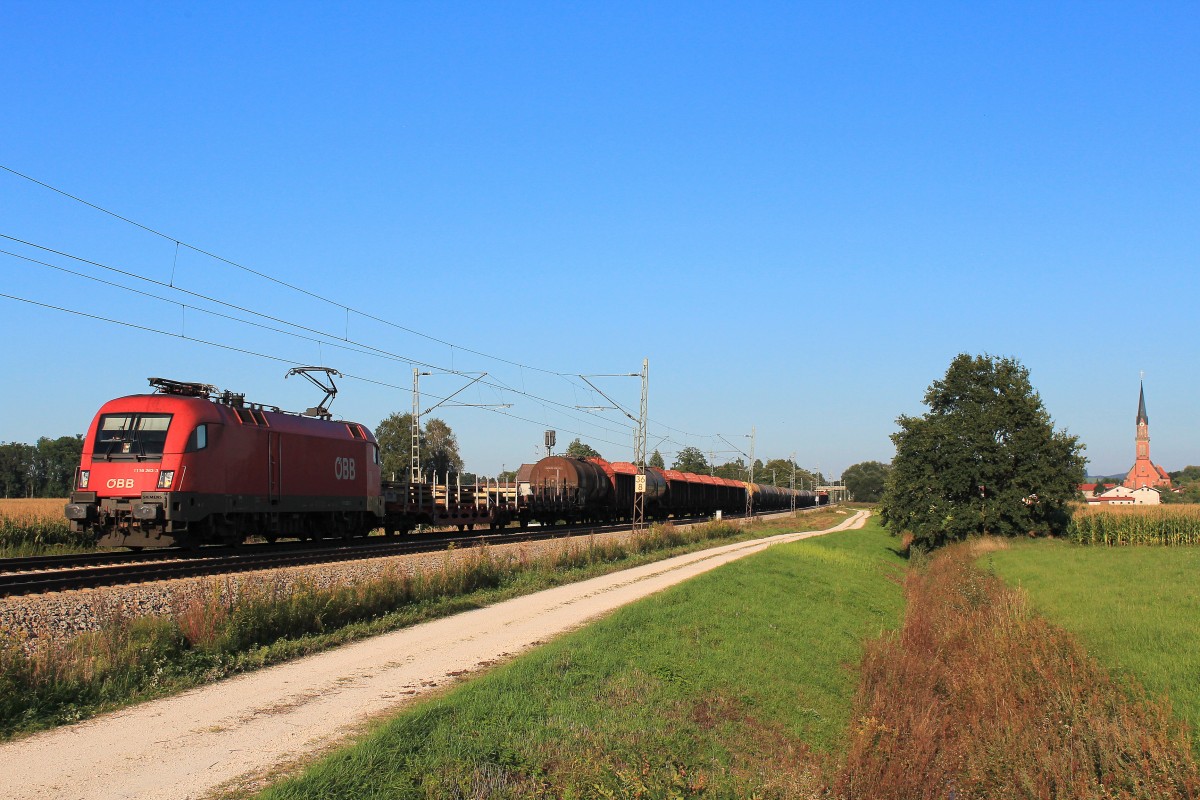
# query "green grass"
(1136, 610)
(134, 659)
(740, 681)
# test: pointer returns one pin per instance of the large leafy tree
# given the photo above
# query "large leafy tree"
(865, 481)
(439, 451)
(577, 449)
(690, 459)
(985, 458)
(439, 447)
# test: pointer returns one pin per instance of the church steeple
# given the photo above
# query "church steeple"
(1145, 472)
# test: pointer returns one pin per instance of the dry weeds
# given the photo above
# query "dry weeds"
(977, 697)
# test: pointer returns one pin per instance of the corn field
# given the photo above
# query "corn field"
(32, 526)
(1133, 525)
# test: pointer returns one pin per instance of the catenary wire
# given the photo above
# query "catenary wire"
(330, 339)
(268, 356)
(265, 276)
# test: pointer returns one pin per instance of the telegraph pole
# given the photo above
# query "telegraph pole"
(639, 439)
(750, 494)
(792, 458)
(414, 464)
(639, 454)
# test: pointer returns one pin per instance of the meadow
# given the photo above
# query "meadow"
(738, 683)
(1135, 609)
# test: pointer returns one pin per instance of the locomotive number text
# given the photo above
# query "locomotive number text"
(343, 469)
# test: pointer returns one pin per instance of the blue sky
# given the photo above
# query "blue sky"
(798, 212)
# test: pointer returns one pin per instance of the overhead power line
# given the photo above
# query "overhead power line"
(330, 339)
(180, 243)
(268, 356)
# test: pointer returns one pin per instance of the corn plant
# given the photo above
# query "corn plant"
(1136, 525)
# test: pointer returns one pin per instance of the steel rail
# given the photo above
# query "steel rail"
(41, 574)
(127, 568)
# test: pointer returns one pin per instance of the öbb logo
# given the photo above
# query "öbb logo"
(120, 483)
(343, 469)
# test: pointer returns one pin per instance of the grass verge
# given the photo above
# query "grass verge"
(1136, 610)
(737, 683)
(977, 697)
(227, 631)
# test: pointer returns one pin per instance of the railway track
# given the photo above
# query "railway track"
(40, 574)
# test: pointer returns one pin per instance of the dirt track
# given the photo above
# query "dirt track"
(229, 733)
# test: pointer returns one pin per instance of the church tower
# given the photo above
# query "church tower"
(1144, 471)
(1143, 427)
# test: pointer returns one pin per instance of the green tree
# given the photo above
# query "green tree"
(656, 460)
(439, 447)
(865, 481)
(46, 469)
(985, 458)
(690, 459)
(577, 449)
(733, 470)
(56, 461)
(16, 466)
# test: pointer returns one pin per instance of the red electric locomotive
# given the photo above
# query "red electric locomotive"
(188, 465)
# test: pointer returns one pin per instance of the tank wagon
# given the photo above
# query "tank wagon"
(562, 488)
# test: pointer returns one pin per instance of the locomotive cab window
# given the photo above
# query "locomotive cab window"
(198, 440)
(131, 436)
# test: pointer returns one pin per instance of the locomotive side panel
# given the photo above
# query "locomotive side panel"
(161, 470)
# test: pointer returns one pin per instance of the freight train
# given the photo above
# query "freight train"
(188, 465)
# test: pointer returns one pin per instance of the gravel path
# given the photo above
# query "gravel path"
(234, 732)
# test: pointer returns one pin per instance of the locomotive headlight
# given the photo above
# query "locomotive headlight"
(85, 475)
(165, 477)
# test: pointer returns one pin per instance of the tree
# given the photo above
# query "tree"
(865, 481)
(656, 460)
(16, 465)
(690, 459)
(46, 469)
(439, 447)
(577, 449)
(985, 458)
(733, 470)
(777, 471)
(56, 461)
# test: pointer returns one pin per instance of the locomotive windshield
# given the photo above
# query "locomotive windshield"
(131, 436)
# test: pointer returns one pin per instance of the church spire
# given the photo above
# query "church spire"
(1141, 417)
